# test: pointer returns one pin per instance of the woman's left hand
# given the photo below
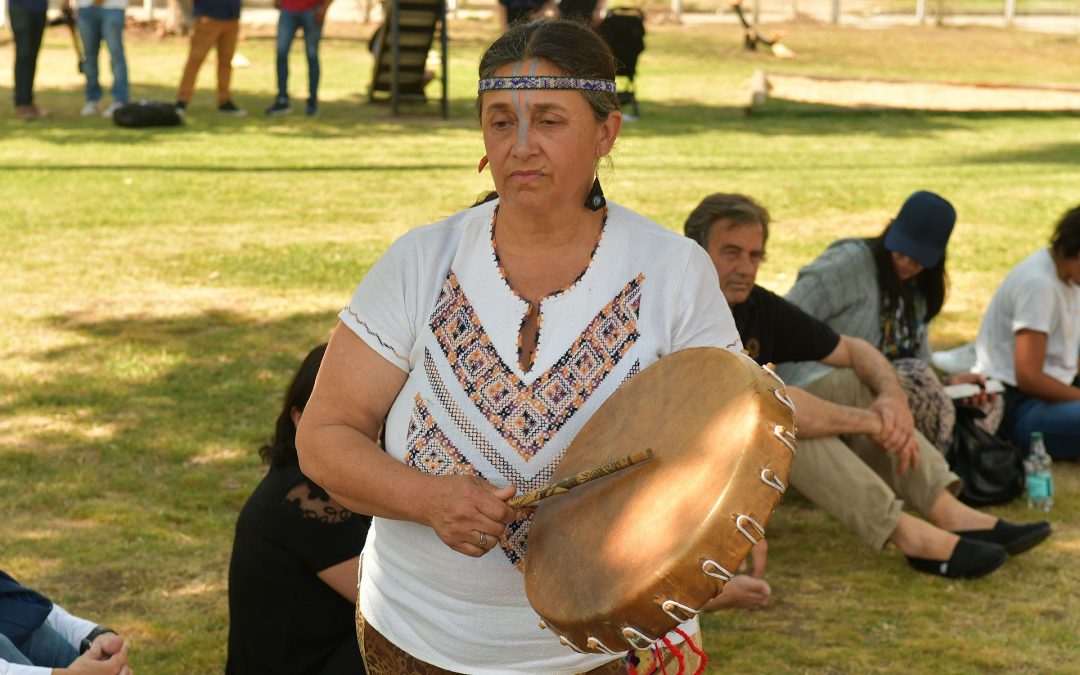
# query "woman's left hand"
(980, 400)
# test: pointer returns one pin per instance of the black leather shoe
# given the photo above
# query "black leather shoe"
(969, 560)
(1015, 538)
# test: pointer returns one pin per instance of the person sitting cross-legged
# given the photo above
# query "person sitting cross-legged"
(39, 637)
(859, 452)
(1028, 340)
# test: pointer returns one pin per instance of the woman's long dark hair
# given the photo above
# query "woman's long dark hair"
(282, 447)
(932, 282)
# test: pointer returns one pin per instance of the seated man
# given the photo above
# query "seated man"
(38, 637)
(858, 448)
(1028, 340)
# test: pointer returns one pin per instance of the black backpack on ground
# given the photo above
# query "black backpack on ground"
(147, 114)
(991, 467)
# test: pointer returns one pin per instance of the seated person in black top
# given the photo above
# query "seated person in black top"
(293, 573)
(858, 448)
(39, 637)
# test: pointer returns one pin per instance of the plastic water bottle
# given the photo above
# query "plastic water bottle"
(1040, 480)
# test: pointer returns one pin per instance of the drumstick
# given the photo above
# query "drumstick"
(566, 484)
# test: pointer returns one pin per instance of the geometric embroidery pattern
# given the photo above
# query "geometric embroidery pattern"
(428, 448)
(513, 542)
(634, 370)
(457, 416)
(527, 416)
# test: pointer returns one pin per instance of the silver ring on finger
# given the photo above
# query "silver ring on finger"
(483, 539)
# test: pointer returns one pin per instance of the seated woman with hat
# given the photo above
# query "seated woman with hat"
(886, 290)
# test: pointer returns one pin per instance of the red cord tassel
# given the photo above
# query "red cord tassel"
(694, 648)
(679, 658)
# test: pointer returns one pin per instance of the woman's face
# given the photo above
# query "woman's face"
(905, 267)
(543, 145)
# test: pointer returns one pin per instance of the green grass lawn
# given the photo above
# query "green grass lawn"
(159, 287)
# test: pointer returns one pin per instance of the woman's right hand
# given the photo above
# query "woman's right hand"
(468, 513)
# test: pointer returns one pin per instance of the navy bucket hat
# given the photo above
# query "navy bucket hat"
(921, 230)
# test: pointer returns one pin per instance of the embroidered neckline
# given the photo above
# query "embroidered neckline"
(538, 308)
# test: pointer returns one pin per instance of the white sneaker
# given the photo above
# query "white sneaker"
(108, 112)
(89, 108)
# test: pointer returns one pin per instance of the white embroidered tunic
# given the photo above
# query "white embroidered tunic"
(438, 306)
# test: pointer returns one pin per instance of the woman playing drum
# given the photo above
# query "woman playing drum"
(487, 340)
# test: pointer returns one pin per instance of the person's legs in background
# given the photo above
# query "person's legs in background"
(226, 47)
(90, 19)
(312, 36)
(112, 28)
(286, 31)
(27, 27)
(202, 39)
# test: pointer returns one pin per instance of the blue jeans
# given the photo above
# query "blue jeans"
(95, 24)
(1058, 422)
(45, 647)
(288, 22)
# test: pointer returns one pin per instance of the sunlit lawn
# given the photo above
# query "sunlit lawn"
(159, 286)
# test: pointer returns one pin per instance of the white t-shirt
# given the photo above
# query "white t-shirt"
(438, 306)
(1032, 297)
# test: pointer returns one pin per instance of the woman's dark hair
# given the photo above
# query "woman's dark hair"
(282, 447)
(1066, 240)
(570, 46)
(932, 282)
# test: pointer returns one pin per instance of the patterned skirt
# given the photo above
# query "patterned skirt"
(934, 412)
(382, 657)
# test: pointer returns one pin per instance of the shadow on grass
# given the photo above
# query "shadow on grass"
(123, 469)
(789, 118)
(1054, 153)
(164, 390)
(356, 117)
(348, 117)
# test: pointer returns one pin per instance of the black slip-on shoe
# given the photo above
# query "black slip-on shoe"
(969, 560)
(1015, 538)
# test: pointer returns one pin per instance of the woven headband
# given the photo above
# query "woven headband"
(545, 82)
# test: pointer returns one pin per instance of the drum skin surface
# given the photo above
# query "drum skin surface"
(606, 556)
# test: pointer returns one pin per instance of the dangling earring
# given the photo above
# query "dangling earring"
(595, 200)
(482, 164)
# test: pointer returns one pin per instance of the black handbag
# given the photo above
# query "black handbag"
(147, 114)
(991, 468)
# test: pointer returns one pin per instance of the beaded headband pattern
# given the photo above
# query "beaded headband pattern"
(545, 82)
